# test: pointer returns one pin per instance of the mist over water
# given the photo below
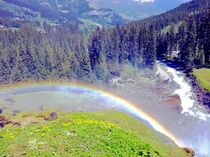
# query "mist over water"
(190, 123)
(200, 139)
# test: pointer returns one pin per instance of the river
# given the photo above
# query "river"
(199, 135)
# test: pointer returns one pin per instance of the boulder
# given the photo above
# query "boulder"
(174, 102)
(51, 117)
(163, 75)
(189, 151)
(2, 124)
(3, 121)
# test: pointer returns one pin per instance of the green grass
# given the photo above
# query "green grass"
(203, 77)
(108, 133)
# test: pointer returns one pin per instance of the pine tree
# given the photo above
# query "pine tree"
(191, 41)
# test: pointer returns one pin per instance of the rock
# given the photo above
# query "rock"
(189, 151)
(4, 121)
(16, 123)
(130, 81)
(2, 124)
(174, 101)
(163, 75)
(2, 118)
(52, 116)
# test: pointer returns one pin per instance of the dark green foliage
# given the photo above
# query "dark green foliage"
(59, 53)
(131, 44)
(176, 15)
(62, 52)
(188, 35)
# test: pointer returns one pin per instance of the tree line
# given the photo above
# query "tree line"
(63, 52)
(132, 44)
(60, 52)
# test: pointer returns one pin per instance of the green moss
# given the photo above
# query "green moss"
(107, 133)
(203, 77)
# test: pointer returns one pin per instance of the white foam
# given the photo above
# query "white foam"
(185, 93)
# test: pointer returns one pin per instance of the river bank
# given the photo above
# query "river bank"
(202, 95)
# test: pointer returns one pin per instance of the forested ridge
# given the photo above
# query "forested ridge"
(184, 34)
(63, 52)
(181, 13)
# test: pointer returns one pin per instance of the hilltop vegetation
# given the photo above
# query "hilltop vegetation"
(107, 133)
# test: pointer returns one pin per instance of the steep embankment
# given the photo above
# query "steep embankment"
(107, 133)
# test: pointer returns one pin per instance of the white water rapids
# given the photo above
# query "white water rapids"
(185, 92)
(200, 140)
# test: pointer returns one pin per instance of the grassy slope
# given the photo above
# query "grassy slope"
(108, 133)
(203, 77)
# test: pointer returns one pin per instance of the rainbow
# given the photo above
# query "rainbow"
(128, 106)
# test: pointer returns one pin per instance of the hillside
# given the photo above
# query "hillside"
(57, 12)
(177, 14)
(107, 133)
(184, 34)
(136, 9)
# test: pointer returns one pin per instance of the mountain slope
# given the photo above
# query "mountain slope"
(57, 11)
(177, 14)
(183, 33)
(137, 9)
